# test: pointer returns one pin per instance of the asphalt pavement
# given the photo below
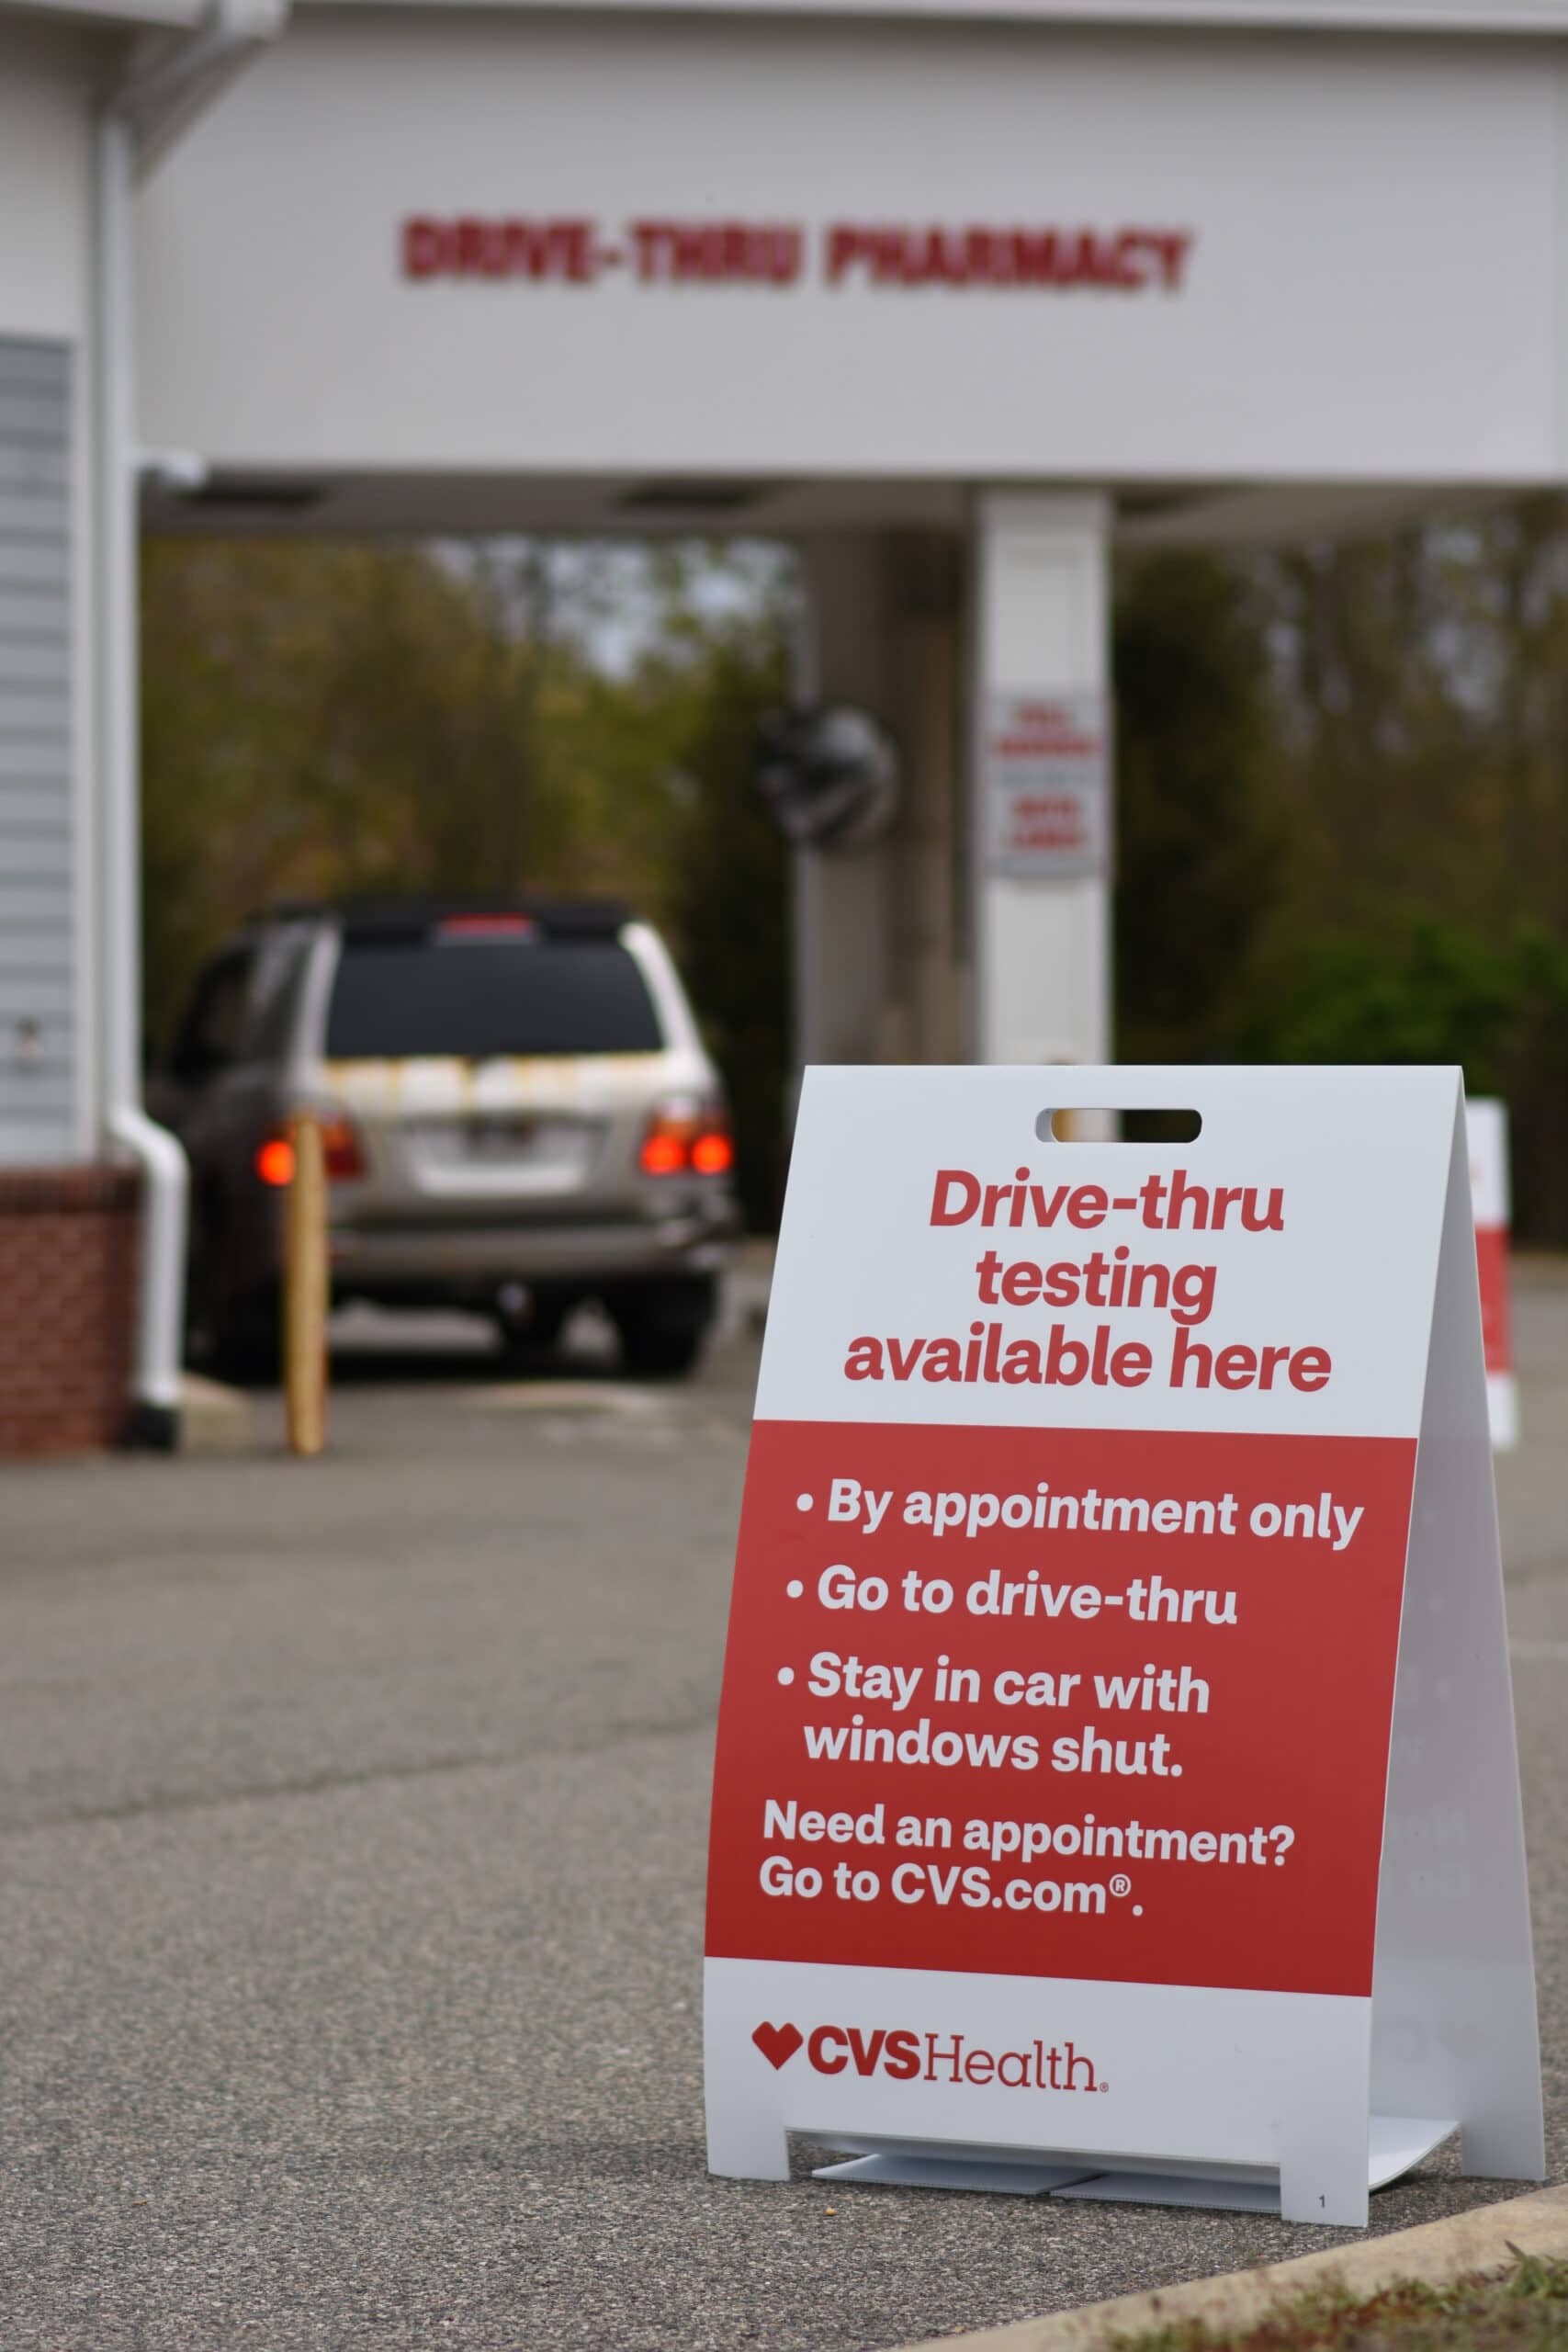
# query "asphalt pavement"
(352, 1821)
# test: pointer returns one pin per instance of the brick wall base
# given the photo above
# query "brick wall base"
(68, 1275)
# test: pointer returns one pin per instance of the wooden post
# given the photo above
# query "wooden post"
(306, 1289)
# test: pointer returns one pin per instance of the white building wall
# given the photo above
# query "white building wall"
(47, 834)
(45, 179)
(41, 1011)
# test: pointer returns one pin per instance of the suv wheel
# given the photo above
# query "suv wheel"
(662, 1324)
(232, 1336)
(532, 1336)
(245, 1338)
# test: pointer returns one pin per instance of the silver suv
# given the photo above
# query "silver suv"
(519, 1115)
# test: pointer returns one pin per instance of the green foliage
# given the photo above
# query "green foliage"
(1522, 2309)
(1419, 989)
(1421, 772)
(732, 913)
(1343, 789)
(1198, 843)
(319, 719)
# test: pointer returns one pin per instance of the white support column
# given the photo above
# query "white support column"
(1041, 886)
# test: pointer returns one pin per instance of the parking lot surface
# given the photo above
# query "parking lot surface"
(352, 1820)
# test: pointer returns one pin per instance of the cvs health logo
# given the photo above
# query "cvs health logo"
(778, 2043)
(906, 2056)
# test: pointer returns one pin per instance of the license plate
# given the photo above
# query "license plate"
(499, 1137)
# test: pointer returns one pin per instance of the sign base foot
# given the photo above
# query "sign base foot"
(1395, 2144)
(894, 2169)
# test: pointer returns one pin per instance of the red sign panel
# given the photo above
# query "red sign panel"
(1071, 1682)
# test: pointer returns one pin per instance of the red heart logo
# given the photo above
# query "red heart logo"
(778, 2043)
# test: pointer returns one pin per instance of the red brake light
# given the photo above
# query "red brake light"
(682, 1144)
(341, 1149)
(341, 1145)
(663, 1153)
(486, 927)
(274, 1161)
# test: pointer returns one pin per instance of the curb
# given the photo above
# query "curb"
(215, 1418)
(1483, 2239)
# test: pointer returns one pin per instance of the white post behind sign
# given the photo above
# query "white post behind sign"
(1042, 913)
(1077, 1555)
(1486, 1123)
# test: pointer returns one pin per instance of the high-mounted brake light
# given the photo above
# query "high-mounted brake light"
(500, 926)
(341, 1149)
(680, 1143)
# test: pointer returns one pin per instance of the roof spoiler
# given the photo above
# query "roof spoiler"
(389, 921)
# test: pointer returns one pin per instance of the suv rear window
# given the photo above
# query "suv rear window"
(475, 997)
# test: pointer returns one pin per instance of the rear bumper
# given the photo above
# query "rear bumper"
(470, 1257)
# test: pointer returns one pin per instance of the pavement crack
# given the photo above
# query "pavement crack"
(328, 1783)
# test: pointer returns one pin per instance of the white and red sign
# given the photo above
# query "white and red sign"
(1045, 779)
(1486, 1124)
(1092, 1719)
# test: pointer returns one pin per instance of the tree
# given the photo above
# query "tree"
(732, 907)
(321, 719)
(1421, 720)
(1199, 845)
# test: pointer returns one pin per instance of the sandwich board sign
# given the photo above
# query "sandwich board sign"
(1116, 1791)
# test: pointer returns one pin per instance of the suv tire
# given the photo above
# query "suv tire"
(531, 1339)
(662, 1324)
(230, 1335)
(246, 1339)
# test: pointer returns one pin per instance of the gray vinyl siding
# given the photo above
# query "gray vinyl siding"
(38, 1012)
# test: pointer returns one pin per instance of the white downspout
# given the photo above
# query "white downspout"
(154, 1416)
(139, 116)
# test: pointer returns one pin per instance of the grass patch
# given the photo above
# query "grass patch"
(1523, 2308)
